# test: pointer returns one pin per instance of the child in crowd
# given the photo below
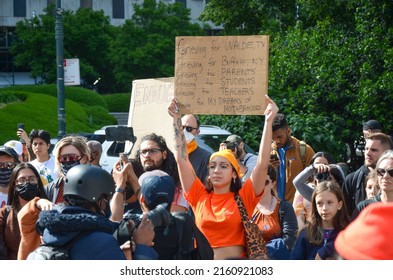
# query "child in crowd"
(328, 218)
(372, 187)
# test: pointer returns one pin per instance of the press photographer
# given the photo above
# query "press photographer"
(157, 193)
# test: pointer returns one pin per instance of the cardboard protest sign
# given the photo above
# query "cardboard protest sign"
(226, 75)
(149, 110)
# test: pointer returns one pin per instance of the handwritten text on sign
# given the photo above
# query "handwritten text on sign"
(225, 75)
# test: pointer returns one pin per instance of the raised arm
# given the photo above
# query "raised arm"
(186, 171)
(259, 174)
(300, 182)
(122, 173)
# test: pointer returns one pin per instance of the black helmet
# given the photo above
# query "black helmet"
(88, 182)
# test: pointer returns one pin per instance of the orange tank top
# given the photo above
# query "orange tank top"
(268, 224)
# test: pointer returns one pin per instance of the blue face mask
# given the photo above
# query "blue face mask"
(66, 166)
(5, 175)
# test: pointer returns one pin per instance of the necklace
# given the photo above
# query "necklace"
(267, 211)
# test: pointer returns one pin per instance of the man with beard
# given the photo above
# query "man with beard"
(247, 161)
(354, 184)
(8, 161)
(152, 154)
(291, 157)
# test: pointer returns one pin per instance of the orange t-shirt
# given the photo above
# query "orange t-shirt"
(217, 215)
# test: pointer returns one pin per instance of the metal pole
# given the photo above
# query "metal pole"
(59, 35)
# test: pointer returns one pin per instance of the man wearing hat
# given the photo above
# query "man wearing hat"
(17, 146)
(247, 161)
(369, 126)
(157, 192)
(8, 160)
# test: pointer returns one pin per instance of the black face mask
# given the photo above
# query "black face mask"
(27, 192)
(5, 175)
(66, 166)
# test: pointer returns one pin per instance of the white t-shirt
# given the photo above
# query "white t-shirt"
(46, 169)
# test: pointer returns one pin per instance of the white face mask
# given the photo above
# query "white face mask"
(188, 135)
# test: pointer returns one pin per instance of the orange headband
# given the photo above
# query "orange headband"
(230, 157)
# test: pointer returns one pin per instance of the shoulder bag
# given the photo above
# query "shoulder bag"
(256, 245)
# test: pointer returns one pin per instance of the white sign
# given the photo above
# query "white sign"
(71, 72)
(149, 110)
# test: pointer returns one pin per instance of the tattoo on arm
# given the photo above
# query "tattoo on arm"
(179, 137)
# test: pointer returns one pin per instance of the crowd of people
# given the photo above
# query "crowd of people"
(179, 202)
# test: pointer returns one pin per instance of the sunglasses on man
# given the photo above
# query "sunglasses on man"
(189, 128)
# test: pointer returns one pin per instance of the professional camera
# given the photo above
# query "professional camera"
(322, 176)
(159, 216)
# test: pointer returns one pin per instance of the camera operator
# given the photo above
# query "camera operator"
(157, 192)
(320, 172)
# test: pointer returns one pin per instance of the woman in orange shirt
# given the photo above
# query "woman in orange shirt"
(214, 206)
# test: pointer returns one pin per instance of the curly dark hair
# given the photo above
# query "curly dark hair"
(169, 165)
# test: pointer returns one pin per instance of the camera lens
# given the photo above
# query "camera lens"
(322, 176)
(159, 216)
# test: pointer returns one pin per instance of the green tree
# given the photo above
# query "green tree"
(145, 45)
(87, 34)
(329, 71)
(251, 16)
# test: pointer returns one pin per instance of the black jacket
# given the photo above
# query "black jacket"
(354, 188)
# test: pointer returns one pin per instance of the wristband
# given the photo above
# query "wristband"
(119, 190)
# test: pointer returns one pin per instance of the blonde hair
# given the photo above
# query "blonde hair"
(77, 141)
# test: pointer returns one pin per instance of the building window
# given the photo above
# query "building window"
(19, 8)
(182, 1)
(118, 8)
(86, 4)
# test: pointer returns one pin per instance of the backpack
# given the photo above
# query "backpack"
(303, 147)
(49, 252)
(195, 248)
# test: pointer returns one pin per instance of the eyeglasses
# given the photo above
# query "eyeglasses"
(381, 172)
(69, 157)
(189, 128)
(151, 151)
(23, 180)
(7, 165)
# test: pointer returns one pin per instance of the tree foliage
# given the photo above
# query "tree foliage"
(251, 17)
(144, 47)
(87, 34)
(330, 70)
